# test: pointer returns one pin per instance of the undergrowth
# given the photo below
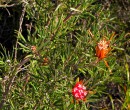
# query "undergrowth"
(55, 46)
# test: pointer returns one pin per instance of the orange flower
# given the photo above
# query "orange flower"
(102, 49)
(34, 49)
(45, 61)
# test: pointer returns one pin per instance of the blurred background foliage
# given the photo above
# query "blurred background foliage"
(47, 44)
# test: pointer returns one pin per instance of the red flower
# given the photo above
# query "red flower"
(79, 91)
(102, 49)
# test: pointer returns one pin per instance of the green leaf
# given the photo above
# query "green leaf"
(2, 63)
(23, 46)
(20, 36)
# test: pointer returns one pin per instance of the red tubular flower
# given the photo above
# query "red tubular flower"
(79, 91)
(102, 49)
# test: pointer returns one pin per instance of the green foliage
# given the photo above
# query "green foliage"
(65, 33)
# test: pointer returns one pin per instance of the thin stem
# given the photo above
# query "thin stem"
(20, 29)
(107, 65)
(8, 87)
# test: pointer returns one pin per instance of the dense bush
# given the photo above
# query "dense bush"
(48, 46)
